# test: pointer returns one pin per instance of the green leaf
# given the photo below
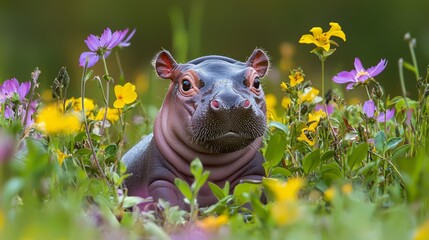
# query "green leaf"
(393, 142)
(327, 155)
(311, 161)
(199, 182)
(133, 201)
(279, 126)
(80, 137)
(280, 171)
(184, 188)
(380, 142)
(330, 172)
(357, 154)
(88, 76)
(409, 66)
(400, 152)
(217, 191)
(83, 151)
(111, 149)
(275, 149)
(196, 168)
(243, 191)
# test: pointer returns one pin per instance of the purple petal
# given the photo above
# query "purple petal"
(91, 57)
(126, 43)
(92, 42)
(106, 37)
(350, 86)
(358, 65)
(8, 112)
(24, 89)
(386, 117)
(363, 78)
(10, 86)
(114, 40)
(374, 71)
(344, 77)
(369, 108)
(409, 117)
(329, 109)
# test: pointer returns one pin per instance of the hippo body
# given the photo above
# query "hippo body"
(214, 110)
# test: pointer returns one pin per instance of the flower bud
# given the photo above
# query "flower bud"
(407, 37)
(377, 91)
(61, 82)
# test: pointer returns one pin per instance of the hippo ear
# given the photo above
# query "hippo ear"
(164, 64)
(259, 61)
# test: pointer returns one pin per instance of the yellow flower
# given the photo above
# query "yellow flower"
(76, 104)
(283, 86)
(296, 77)
(213, 223)
(285, 208)
(52, 121)
(422, 232)
(347, 188)
(330, 194)
(308, 95)
(271, 102)
(322, 39)
(304, 137)
(286, 102)
(124, 95)
(314, 119)
(61, 156)
(285, 191)
(112, 114)
(2, 221)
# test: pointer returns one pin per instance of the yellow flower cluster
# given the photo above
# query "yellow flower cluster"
(422, 232)
(76, 104)
(308, 95)
(296, 77)
(53, 121)
(323, 39)
(112, 114)
(331, 192)
(313, 122)
(285, 208)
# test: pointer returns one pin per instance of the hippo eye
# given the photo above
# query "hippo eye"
(256, 83)
(186, 85)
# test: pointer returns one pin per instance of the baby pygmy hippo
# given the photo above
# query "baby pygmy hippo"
(214, 110)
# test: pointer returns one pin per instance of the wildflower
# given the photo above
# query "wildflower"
(124, 95)
(386, 116)
(102, 46)
(76, 104)
(286, 102)
(52, 121)
(112, 114)
(347, 188)
(285, 209)
(213, 223)
(271, 102)
(304, 137)
(283, 86)
(330, 194)
(308, 95)
(323, 39)
(314, 119)
(296, 77)
(359, 75)
(11, 89)
(422, 232)
(369, 108)
(7, 148)
(61, 156)
(2, 220)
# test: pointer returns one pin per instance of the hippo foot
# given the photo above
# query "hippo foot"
(167, 191)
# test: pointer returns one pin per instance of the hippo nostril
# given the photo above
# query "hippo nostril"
(246, 103)
(215, 104)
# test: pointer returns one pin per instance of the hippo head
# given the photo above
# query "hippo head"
(214, 104)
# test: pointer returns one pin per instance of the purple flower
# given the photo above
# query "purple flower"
(100, 46)
(329, 109)
(369, 108)
(12, 86)
(126, 42)
(359, 74)
(386, 116)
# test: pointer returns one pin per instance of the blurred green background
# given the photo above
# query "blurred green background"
(50, 34)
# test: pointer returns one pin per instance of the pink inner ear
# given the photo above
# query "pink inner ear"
(259, 61)
(164, 65)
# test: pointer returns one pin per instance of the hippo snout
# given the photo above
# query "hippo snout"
(228, 99)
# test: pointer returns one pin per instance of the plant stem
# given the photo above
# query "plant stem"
(323, 77)
(413, 57)
(88, 135)
(107, 95)
(121, 71)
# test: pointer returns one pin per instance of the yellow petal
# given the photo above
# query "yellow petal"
(130, 97)
(308, 39)
(118, 90)
(119, 104)
(317, 31)
(336, 31)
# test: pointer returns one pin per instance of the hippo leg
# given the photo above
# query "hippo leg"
(167, 191)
